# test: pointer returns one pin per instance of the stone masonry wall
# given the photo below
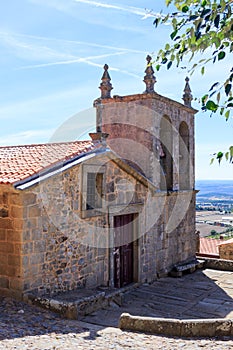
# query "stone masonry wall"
(47, 246)
(59, 246)
(226, 251)
(11, 225)
(133, 123)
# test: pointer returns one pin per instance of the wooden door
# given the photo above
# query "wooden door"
(124, 249)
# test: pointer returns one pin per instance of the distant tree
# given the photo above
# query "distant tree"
(199, 26)
(213, 232)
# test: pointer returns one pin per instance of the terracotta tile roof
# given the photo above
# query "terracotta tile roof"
(19, 162)
(209, 246)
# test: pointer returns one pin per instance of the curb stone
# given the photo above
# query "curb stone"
(175, 327)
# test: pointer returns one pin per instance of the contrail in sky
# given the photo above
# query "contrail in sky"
(130, 9)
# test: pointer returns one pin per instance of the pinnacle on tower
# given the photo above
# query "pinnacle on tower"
(149, 78)
(106, 85)
(187, 96)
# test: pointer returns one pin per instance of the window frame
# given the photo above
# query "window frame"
(100, 210)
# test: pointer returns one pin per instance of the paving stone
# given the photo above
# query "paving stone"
(38, 329)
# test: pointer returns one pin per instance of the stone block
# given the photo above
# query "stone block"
(206, 328)
(16, 211)
(39, 247)
(12, 271)
(36, 259)
(15, 199)
(14, 260)
(150, 325)
(17, 248)
(16, 283)
(6, 247)
(3, 234)
(34, 211)
(3, 267)
(6, 223)
(14, 236)
(4, 282)
(27, 247)
(29, 198)
(3, 258)
(18, 224)
(4, 213)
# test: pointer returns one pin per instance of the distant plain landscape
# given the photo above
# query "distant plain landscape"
(215, 191)
(214, 202)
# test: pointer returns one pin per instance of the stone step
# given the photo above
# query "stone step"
(180, 269)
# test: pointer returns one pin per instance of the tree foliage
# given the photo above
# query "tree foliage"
(200, 26)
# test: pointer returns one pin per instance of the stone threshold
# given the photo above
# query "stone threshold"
(80, 302)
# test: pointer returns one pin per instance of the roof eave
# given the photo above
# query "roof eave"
(55, 169)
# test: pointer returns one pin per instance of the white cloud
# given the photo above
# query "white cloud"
(29, 50)
(68, 5)
(11, 37)
(74, 9)
(128, 9)
(38, 49)
(86, 60)
(26, 137)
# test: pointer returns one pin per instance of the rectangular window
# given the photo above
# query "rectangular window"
(94, 191)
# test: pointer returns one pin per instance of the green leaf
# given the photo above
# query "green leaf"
(213, 86)
(211, 106)
(227, 89)
(173, 34)
(227, 155)
(169, 65)
(221, 55)
(227, 114)
(231, 153)
(203, 70)
(218, 97)
(157, 67)
(219, 156)
(204, 99)
(185, 8)
(156, 21)
(193, 17)
(205, 12)
(217, 20)
(211, 161)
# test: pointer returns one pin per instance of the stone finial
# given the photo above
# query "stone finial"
(149, 78)
(106, 86)
(187, 96)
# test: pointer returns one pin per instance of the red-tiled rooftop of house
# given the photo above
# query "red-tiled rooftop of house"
(209, 246)
(19, 162)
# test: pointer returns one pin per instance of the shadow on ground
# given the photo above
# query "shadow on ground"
(203, 294)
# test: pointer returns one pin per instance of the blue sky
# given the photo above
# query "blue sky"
(51, 58)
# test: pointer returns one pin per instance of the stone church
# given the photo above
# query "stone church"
(115, 209)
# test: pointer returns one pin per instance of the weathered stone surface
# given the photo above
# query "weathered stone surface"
(218, 264)
(173, 327)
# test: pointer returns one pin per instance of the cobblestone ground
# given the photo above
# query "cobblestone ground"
(26, 327)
